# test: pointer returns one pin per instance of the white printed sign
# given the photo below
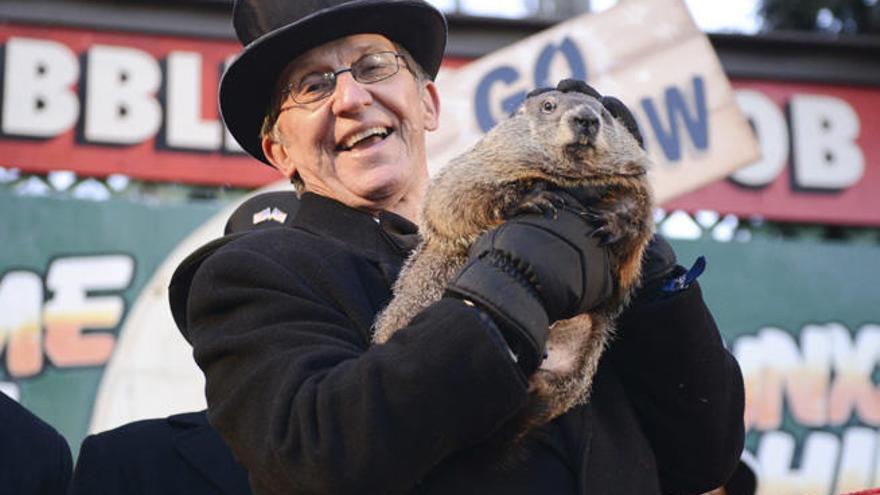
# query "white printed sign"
(648, 53)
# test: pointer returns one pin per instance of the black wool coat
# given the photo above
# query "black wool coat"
(280, 322)
(34, 457)
(178, 455)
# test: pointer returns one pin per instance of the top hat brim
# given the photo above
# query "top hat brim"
(247, 85)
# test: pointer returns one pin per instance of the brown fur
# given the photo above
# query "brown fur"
(508, 171)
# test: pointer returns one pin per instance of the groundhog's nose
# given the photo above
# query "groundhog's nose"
(586, 125)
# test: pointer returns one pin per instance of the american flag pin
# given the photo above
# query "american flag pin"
(270, 213)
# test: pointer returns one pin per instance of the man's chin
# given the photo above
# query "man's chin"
(379, 190)
(381, 199)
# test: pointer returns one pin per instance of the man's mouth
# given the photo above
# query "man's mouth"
(364, 138)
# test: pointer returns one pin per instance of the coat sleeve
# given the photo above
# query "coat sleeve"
(687, 389)
(64, 465)
(308, 406)
(96, 472)
(34, 457)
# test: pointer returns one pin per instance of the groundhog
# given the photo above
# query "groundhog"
(565, 137)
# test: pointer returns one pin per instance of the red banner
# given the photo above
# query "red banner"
(821, 156)
(102, 103)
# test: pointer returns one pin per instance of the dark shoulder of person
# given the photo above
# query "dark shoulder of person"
(34, 457)
(264, 210)
(181, 454)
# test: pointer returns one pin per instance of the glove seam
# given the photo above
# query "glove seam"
(517, 269)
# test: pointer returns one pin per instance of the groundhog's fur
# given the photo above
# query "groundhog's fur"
(555, 139)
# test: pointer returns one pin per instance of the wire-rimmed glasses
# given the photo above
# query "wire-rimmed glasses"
(369, 69)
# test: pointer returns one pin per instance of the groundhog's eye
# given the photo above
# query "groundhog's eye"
(548, 106)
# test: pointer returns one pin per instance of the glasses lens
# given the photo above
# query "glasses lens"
(313, 87)
(375, 67)
(367, 69)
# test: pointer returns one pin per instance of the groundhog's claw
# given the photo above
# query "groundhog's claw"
(593, 217)
(539, 202)
(605, 236)
(604, 228)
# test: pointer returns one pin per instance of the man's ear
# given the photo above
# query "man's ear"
(431, 105)
(278, 156)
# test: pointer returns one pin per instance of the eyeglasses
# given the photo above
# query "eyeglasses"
(369, 69)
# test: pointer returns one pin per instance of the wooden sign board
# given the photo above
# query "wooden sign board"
(648, 53)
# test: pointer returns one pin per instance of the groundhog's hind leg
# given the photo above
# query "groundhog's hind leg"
(421, 283)
(631, 268)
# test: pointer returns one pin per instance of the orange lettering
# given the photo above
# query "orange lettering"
(68, 346)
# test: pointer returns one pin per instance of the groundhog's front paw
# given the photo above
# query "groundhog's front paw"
(607, 228)
(539, 202)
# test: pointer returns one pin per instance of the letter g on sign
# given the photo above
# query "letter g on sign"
(542, 73)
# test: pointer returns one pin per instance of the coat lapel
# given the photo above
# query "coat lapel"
(204, 450)
(385, 240)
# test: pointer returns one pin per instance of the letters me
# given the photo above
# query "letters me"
(75, 319)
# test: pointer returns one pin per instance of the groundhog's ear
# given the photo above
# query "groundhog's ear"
(616, 108)
(579, 86)
(538, 91)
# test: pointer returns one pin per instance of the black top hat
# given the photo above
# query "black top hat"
(274, 32)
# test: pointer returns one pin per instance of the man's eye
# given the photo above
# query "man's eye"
(313, 85)
(371, 67)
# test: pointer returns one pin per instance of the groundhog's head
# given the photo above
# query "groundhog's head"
(586, 134)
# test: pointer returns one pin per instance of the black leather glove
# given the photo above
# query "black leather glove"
(531, 271)
(661, 273)
(658, 262)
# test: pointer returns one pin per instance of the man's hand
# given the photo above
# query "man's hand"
(531, 271)
(661, 273)
(658, 262)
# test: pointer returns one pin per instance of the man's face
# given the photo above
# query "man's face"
(364, 145)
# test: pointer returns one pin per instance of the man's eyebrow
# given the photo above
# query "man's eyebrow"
(312, 66)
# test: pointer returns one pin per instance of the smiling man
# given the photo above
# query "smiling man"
(338, 96)
(365, 148)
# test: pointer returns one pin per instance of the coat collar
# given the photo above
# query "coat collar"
(386, 239)
(388, 234)
(203, 449)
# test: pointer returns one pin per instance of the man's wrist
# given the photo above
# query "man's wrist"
(492, 329)
(513, 307)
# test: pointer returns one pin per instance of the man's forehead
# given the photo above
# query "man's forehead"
(339, 50)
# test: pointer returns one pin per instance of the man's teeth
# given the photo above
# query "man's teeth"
(356, 138)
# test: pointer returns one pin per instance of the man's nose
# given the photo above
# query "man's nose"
(349, 95)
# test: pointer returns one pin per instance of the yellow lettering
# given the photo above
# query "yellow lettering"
(21, 298)
(73, 316)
